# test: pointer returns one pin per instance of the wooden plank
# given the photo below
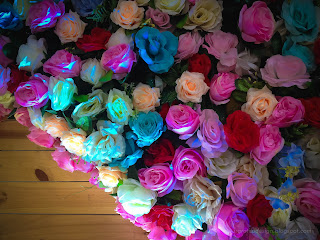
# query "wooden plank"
(34, 166)
(54, 198)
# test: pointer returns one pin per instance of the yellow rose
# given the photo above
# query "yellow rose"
(56, 126)
(260, 103)
(191, 86)
(7, 100)
(127, 15)
(110, 176)
(73, 141)
(171, 7)
(145, 98)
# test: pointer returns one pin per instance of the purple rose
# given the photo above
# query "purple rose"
(4, 79)
(4, 61)
(159, 18)
(33, 92)
(44, 15)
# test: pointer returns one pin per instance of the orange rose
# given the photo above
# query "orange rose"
(73, 141)
(145, 98)
(56, 126)
(110, 176)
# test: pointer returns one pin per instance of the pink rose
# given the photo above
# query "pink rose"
(40, 137)
(287, 112)
(4, 112)
(285, 71)
(270, 144)
(4, 61)
(197, 236)
(182, 120)
(308, 202)
(159, 18)
(22, 116)
(158, 178)
(4, 79)
(188, 162)
(63, 64)
(118, 59)
(137, 221)
(241, 189)
(256, 23)
(222, 85)
(158, 233)
(257, 234)
(33, 92)
(189, 44)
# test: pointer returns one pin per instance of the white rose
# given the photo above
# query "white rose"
(119, 37)
(172, 7)
(300, 229)
(36, 117)
(92, 72)
(31, 54)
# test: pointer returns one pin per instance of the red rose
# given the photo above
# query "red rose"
(241, 133)
(97, 40)
(312, 111)
(160, 216)
(159, 152)
(200, 63)
(17, 76)
(316, 50)
(259, 210)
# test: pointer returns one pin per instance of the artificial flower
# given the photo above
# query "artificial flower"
(92, 72)
(145, 98)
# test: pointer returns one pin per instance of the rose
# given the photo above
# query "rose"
(182, 120)
(190, 87)
(205, 15)
(31, 54)
(312, 113)
(22, 117)
(241, 133)
(56, 126)
(158, 233)
(85, 7)
(159, 18)
(4, 60)
(288, 111)
(189, 44)
(158, 178)
(145, 98)
(256, 23)
(308, 202)
(73, 141)
(7, 100)
(222, 85)
(70, 28)
(259, 210)
(119, 106)
(4, 112)
(285, 71)
(316, 49)
(97, 40)
(160, 216)
(40, 137)
(44, 15)
(198, 235)
(300, 19)
(135, 199)
(187, 163)
(300, 228)
(137, 221)
(142, 2)
(159, 152)
(200, 63)
(231, 222)
(36, 117)
(172, 7)
(157, 49)
(127, 15)
(34, 92)
(147, 127)
(119, 37)
(118, 59)
(9, 17)
(16, 78)
(5, 78)
(110, 177)
(92, 72)
(63, 64)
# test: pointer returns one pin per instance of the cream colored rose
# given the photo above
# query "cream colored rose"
(56, 126)
(222, 166)
(205, 14)
(142, 2)
(260, 103)
(70, 27)
(145, 98)
(110, 176)
(119, 107)
(119, 37)
(73, 141)
(204, 195)
(92, 72)
(127, 15)
(171, 7)
(191, 86)
(7, 100)
(36, 117)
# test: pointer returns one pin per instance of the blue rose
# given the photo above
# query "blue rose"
(157, 49)
(147, 127)
(300, 19)
(302, 52)
(85, 7)
(9, 18)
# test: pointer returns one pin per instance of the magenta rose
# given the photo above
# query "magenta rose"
(63, 64)
(182, 120)
(158, 178)
(22, 117)
(270, 143)
(44, 15)
(285, 71)
(118, 59)
(231, 222)
(40, 137)
(189, 44)
(188, 162)
(158, 233)
(159, 18)
(241, 189)
(33, 93)
(308, 202)
(256, 23)
(4, 61)
(287, 112)
(4, 79)
(222, 85)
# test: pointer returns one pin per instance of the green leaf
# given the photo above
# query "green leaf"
(168, 96)
(182, 22)
(175, 195)
(114, 194)
(120, 183)
(52, 111)
(151, 4)
(80, 98)
(69, 121)
(133, 173)
(85, 123)
(242, 84)
(276, 43)
(102, 186)
(107, 77)
(239, 96)
(44, 108)
(10, 50)
(184, 67)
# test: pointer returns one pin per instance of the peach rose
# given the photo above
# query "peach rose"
(73, 141)
(145, 98)
(56, 126)
(191, 86)
(260, 103)
(70, 27)
(110, 176)
(127, 14)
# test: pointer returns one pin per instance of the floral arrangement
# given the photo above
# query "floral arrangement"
(200, 117)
